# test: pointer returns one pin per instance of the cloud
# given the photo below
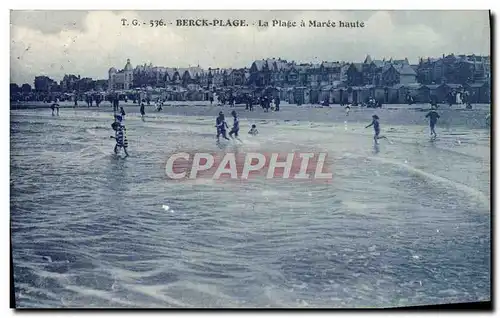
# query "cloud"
(90, 42)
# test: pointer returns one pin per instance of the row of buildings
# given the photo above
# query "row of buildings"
(369, 75)
(432, 75)
(461, 69)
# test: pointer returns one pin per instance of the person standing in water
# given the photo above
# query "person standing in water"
(120, 135)
(376, 128)
(55, 106)
(250, 102)
(121, 140)
(277, 103)
(433, 117)
(236, 126)
(221, 125)
(143, 113)
(116, 103)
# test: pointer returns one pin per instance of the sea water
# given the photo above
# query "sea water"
(405, 223)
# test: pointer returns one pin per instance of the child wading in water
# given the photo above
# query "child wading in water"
(376, 128)
(236, 126)
(253, 131)
(347, 110)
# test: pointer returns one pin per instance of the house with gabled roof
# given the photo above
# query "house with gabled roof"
(292, 74)
(393, 74)
(271, 64)
(330, 72)
(278, 74)
(191, 76)
(355, 74)
(407, 74)
(236, 76)
(260, 74)
(177, 76)
(372, 71)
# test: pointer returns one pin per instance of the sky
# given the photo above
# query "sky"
(88, 43)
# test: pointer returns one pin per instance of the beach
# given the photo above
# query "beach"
(405, 224)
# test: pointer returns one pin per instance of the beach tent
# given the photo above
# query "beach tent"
(419, 92)
(365, 92)
(397, 94)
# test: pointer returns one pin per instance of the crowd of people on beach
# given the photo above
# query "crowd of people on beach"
(222, 126)
(266, 102)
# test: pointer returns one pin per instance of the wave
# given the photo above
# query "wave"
(474, 193)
